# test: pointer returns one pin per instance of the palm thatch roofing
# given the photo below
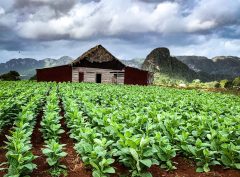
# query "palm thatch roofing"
(96, 54)
(98, 57)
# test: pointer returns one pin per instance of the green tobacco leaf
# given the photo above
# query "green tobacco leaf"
(209, 136)
(62, 154)
(146, 162)
(110, 161)
(237, 165)
(206, 168)
(95, 165)
(134, 154)
(215, 162)
(199, 170)
(98, 141)
(225, 160)
(51, 162)
(109, 170)
(47, 151)
(96, 174)
(148, 153)
(30, 166)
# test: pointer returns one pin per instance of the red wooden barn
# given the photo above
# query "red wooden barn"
(96, 65)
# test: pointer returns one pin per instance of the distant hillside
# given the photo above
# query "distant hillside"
(183, 67)
(160, 61)
(136, 62)
(27, 66)
(218, 67)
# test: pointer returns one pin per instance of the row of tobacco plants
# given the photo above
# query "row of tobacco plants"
(18, 145)
(51, 131)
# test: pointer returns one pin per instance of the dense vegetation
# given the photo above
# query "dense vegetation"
(136, 126)
(166, 80)
(10, 76)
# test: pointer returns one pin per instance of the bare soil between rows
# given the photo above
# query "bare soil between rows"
(38, 142)
(187, 168)
(3, 151)
(75, 167)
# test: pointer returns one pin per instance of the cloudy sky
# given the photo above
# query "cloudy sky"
(127, 28)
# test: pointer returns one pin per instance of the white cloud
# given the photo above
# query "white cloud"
(108, 18)
(210, 47)
(102, 19)
(209, 14)
(2, 11)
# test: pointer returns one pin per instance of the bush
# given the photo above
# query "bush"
(217, 85)
(226, 83)
(236, 81)
(10, 76)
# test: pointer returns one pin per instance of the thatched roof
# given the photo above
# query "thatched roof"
(97, 54)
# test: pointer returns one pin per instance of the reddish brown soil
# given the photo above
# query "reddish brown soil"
(38, 142)
(3, 151)
(186, 168)
(120, 170)
(75, 167)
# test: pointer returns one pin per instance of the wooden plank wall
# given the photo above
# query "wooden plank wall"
(90, 75)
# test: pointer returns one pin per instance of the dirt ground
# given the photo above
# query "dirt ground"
(3, 151)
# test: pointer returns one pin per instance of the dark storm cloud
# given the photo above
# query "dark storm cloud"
(58, 5)
(230, 32)
(9, 40)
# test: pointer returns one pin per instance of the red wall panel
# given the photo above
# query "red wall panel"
(57, 74)
(135, 76)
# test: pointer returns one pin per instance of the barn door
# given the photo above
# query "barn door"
(81, 76)
(98, 78)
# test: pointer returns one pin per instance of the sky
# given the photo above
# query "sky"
(127, 28)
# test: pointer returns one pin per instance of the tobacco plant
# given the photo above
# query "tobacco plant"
(54, 153)
(96, 154)
(135, 152)
(164, 151)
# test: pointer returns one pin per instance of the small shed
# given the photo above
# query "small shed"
(96, 65)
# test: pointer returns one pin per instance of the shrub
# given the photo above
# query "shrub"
(236, 81)
(217, 85)
(10, 76)
(226, 83)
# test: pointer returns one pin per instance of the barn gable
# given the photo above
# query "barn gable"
(98, 57)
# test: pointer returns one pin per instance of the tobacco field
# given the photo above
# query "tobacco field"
(82, 129)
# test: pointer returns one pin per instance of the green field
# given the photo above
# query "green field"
(135, 126)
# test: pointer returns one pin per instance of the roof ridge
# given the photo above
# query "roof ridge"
(103, 55)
